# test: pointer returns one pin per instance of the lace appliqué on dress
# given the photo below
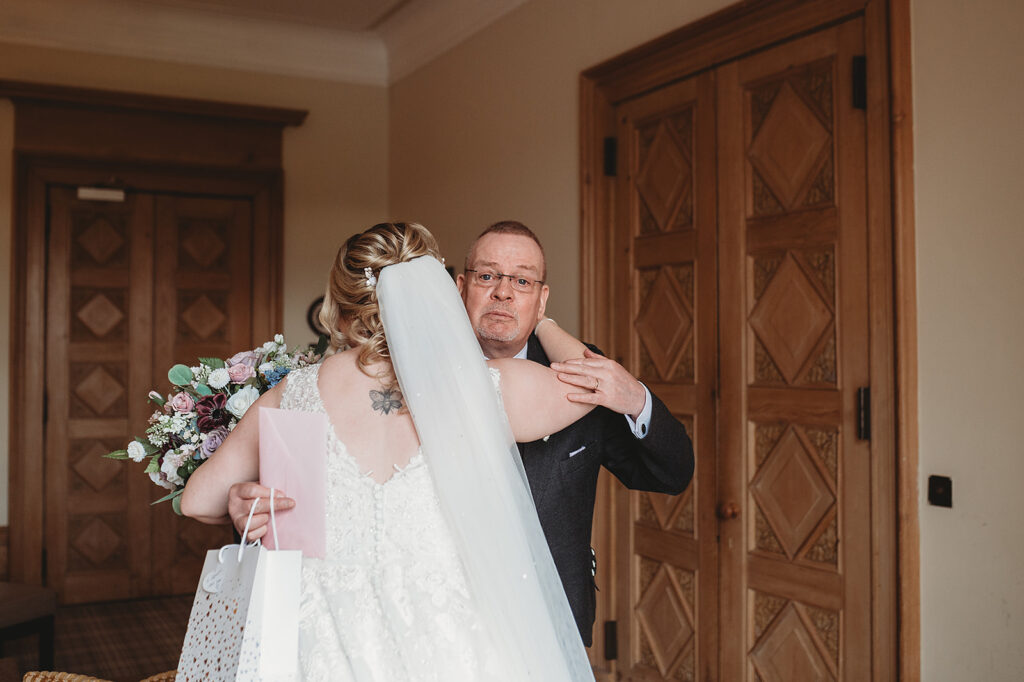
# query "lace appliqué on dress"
(495, 378)
(389, 601)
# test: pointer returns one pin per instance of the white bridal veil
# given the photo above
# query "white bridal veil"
(477, 473)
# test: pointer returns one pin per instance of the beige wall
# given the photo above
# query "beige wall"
(488, 131)
(969, 171)
(335, 164)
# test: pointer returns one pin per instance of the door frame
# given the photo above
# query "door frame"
(154, 144)
(728, 34)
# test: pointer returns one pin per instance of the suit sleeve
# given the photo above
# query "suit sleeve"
(662, 462)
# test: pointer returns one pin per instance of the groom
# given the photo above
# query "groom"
(632, 433)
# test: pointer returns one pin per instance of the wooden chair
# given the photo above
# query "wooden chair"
(27, 610)
(47, 676)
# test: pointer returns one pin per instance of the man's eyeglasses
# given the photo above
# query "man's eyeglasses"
(487, 278)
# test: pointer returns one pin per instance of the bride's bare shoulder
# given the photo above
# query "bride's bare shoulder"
(340, 362)
(515, 372)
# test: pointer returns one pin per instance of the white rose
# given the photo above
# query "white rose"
(160, 480)
(270, 346)
(170, 470)
(219, 378)
(279, 339)
(267, 367)
(136, 451)
(242, 401)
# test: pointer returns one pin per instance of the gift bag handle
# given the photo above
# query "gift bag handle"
(273, 520)
(248, 521)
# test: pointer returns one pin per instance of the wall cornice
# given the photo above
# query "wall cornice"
(407, 40)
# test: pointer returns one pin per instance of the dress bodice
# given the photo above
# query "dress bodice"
(389, 600)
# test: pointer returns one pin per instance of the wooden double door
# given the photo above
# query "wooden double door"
(133, 287)
(742, 298)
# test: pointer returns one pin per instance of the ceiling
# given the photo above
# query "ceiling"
(373, 42)
(348, 15)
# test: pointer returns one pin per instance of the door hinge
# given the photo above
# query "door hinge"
(611, 640)
(864, 413)
(611, 156)
(860, 82)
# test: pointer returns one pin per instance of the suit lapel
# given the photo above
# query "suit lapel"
(535, 352)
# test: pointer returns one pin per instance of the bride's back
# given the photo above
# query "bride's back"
(366, 417)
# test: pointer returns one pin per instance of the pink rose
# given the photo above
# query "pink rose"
(240, 372)
(248, 358)
(182, 402)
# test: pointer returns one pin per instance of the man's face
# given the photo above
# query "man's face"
(503, 317)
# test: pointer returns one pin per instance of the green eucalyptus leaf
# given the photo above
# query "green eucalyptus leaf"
(203, 389)
(176, 505)
(148, 447)
(214, 363)
(180, 375)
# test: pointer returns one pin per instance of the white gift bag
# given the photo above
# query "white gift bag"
(244, 623)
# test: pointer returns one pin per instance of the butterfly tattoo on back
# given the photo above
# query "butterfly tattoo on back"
(387, 400)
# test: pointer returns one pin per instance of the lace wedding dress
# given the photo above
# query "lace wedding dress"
(389, 602)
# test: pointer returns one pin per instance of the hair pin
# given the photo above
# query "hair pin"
(371, 279)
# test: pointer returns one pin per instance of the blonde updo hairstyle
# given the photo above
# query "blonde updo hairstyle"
(351, 303)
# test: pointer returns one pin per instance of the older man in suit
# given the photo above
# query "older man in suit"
(631, 433)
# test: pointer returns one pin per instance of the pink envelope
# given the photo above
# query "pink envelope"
(293, 458)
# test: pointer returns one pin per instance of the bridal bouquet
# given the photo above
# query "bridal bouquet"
(204, 405)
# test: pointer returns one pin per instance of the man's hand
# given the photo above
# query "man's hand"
(240, 500)
(607, 383)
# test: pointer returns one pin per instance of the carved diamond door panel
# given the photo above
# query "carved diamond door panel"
(741, 300)
(665, 330)
(796, 581)
(203, 294)
(132, 288)
(99, 296)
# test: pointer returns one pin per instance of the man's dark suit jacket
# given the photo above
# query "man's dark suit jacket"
(564, 487)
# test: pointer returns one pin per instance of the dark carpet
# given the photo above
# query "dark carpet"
(122, 641)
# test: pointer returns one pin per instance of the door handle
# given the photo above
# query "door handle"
(727, 511)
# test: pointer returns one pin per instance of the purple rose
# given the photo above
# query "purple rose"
(213, 440)
(248, 358)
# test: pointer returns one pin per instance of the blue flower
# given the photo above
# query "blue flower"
(275, 375)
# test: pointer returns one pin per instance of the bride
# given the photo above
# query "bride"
(436, 565)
